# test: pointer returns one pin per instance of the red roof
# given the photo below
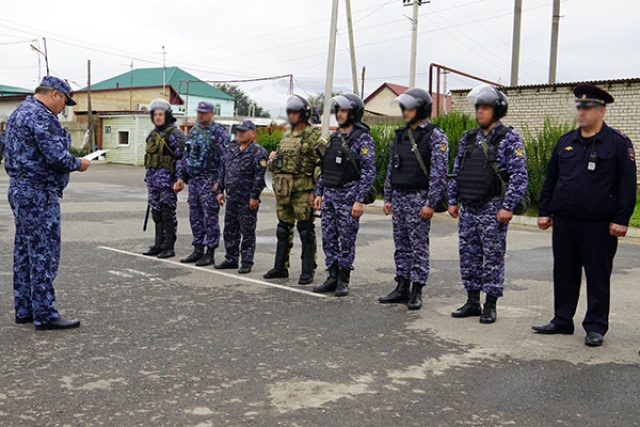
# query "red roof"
(397, 89)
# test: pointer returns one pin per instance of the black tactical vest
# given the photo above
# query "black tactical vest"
(477, 181)
(337, 166)
(406, 173)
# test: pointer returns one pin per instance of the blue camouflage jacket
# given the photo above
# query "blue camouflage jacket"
(242, 172)
(37, 148)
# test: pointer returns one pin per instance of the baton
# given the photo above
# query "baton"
(146, 218)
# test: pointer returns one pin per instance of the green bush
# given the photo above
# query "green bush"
(454, 125)
(269, 138)
(76, 152)
(539, 149)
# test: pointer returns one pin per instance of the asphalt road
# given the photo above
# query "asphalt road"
(162, 344)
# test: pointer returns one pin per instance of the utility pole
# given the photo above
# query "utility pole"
(46, 55)
(352, 49)
(364, 71)
(555, 29)
(445, 90)
(515, 47)
(131, 87)
(164, 69)
(89, 108)
(328, 88)
(414, 39)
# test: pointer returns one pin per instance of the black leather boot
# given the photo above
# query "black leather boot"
(489, 313)
(331, 283)
(159, 229)
(168, 245)
(400, 295)
(471, 307)
(344, 276)
(415, 301)
(198, 252)
(308, 254)
(283, 247)
(207, 259)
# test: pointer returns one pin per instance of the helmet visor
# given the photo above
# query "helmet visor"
(407, 101)
(341, 101)
(294, 103)
(483, 94)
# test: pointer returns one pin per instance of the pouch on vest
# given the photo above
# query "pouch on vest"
(282, 187)
(154, 149)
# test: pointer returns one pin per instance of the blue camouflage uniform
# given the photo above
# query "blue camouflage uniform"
(38, 162)
(161, 196)
(482, 242)
(410, 231)
(339, 227)
(242, 178)
(201, 172)
(2, 142)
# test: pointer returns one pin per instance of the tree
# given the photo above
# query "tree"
(243, 102)
(318, 100)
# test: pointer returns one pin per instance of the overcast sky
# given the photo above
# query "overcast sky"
(239, 39)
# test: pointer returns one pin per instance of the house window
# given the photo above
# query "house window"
(218, 109)
(123, 137)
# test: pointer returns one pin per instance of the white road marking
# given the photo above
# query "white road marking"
(139, 273)
(119, 273)
(207, 270)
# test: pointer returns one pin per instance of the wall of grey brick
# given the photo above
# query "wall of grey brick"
(531, 104)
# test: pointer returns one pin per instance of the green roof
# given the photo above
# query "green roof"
(175, 77)
(6, 90)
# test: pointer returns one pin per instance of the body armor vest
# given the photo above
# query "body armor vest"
(477, 181)
(158, 154)
(337, 164)
(406, 173)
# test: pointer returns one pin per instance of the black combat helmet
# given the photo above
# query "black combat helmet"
(298, 103)
(416, 98)
(162, 105)
(490, 95)
(350, 102)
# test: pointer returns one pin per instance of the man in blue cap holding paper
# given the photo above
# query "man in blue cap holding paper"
(38, 162)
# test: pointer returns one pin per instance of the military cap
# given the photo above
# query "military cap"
(205, 107)
(246, 125)
(590, 96)
(59, 85)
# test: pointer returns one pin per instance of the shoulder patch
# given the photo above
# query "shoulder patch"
(263, 163)
(622, 134)
(365, 150)
(519, 152)
(631, 154)
(443, 147)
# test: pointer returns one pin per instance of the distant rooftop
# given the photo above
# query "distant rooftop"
(175, 77)
(6, 90)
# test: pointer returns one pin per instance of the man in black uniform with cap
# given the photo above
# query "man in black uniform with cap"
(588, 196)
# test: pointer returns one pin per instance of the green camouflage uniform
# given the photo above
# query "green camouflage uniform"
(301, 161)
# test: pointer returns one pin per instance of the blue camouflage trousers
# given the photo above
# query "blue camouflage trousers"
(203, 211)
(240, 231)
(411, 236)
(339, 228)
(163, 199)
(36, 252)
(483, 243)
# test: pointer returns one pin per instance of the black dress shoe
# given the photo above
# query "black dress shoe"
(60, 323)
(207, 259)
(227, 265)
(153, 251)
(23, 320)
(245, 269)
(551, 329)
(594, 339)
(167, 253)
